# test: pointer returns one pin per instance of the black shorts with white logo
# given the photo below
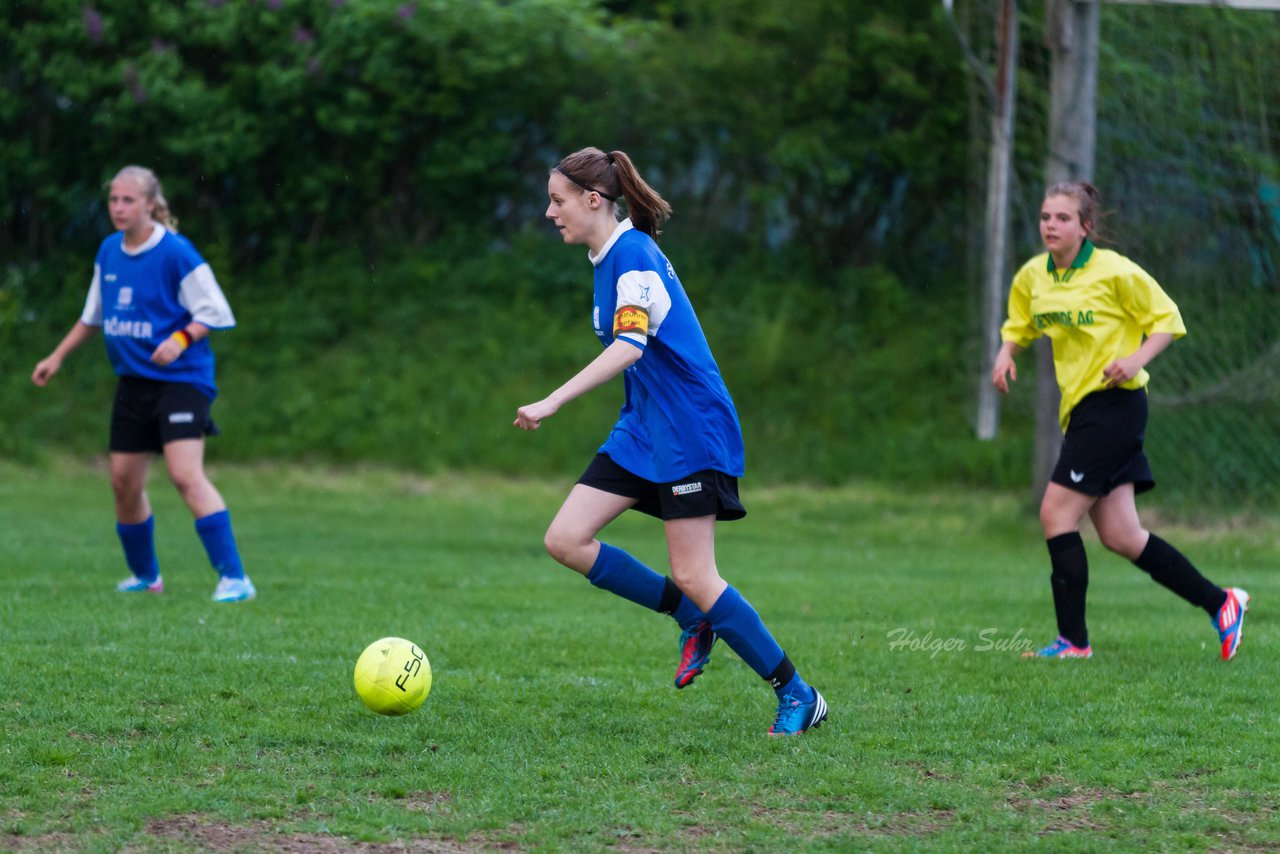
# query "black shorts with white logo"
(704, 493)
(1103, 445)
(148, 414)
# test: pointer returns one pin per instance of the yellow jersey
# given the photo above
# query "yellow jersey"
(1095, 311)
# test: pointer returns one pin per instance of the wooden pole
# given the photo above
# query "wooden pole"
(995, 263)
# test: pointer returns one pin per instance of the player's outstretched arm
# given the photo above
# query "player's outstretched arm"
(50, 365)
(615, 359)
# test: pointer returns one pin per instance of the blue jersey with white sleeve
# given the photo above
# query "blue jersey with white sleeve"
(678, 417)
(142, 296)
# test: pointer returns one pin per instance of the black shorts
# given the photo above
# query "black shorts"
(1103, 445)
(704, 493)
(148, 414)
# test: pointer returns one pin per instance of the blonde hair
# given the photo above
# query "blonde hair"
(150, 184)
(613, 175)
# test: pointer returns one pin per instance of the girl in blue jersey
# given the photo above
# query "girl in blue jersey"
(676, 451)
(155, 300)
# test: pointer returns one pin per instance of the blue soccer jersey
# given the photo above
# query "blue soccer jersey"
(678, 417)
(142, 296)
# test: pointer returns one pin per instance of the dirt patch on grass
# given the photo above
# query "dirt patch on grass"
(419, 801)
(1069, 810)
(1234, 844)
(1063, 808)
(197, 833)
(832, 823)
(45, 842)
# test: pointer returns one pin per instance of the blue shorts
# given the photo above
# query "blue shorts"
(703, 493)
(1103, 445)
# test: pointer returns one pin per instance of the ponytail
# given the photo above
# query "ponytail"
(648, 209)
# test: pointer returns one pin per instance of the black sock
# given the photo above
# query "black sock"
(1170, 567)
(782, 674)
(1070, 580)
(670, 597)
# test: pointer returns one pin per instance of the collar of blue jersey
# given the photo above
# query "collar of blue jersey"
(1082, 257)
(620, 229)
(157, 234)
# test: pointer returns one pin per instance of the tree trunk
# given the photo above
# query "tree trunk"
(1071, 34)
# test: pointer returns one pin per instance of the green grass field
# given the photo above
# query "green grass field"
(167, 723)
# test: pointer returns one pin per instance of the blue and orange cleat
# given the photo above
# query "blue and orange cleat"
(1061, 648)
(134, 584)
(796, 716)
(695, 650)
(1230, 621)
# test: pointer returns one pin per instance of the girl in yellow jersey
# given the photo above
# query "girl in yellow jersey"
(1107, 319)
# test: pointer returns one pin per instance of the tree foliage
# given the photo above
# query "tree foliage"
(283, 124)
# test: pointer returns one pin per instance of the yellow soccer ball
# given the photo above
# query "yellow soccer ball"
(393, 676)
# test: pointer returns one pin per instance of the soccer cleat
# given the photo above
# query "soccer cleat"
(1230, 621)
(1061, 648)
(134, 584)
(234, 590)
(795, 716)
(695, 650)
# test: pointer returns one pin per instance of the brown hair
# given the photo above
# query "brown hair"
(151, 188)
(613, 175)
(1089, 202)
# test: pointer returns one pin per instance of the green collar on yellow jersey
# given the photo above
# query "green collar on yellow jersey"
(1082, 258)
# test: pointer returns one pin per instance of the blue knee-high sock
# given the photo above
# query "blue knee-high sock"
(140, 548)
(220, 544)
(623, 575)
(733, 619)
